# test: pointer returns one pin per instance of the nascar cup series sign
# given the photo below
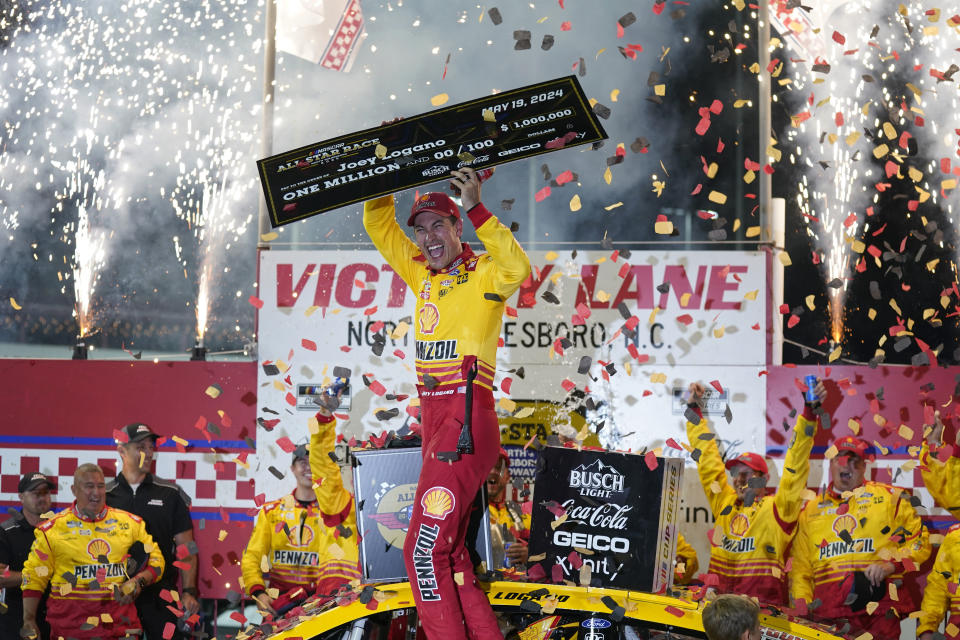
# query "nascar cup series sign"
(617, 512)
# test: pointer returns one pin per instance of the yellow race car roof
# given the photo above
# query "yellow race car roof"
(677, 612)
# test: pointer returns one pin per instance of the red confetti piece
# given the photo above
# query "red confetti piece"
(651, 459)
(377, 388)
(568, 385)
(673, 444)
(556, 573)
(565, 25)
(369, 312)
(583, 310)
(286, 444)
(619, 30)
(565, 177)
(685, 319)
(257, 302)
(543, 194)
(510, 311)
(674, 611)
(239, 617)
(377, 326)
(291, 399)
(536, 572)
(658, 7)
(575, 560)
(716, 385)
(308, 344)
(505, 385)
(716, 107)
(400, 354)
(839, 38)
(168, 629)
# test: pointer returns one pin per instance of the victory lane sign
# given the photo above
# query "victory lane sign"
(421, 149)
(609, 511)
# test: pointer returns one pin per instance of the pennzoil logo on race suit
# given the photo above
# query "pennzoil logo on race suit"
(437, 502)
(423, 561)
(596, 480)
(437, 350)
(296, 558)
(429, 317)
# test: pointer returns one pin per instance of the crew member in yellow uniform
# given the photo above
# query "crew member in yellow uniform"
(941, 597)
(307, 540)
(942, 478)
(852, 542)
(460, 299)
(88, 554)
(752, 530)
(510, 526)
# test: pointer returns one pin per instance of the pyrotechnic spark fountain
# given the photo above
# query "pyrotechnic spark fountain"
(116, 107)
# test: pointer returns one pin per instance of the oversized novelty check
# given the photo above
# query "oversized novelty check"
(421, 149)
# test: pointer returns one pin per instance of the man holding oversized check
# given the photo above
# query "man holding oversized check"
(460, 299)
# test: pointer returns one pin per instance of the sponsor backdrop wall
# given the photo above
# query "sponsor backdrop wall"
(632, 329)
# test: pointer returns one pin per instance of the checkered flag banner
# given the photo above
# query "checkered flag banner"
(325, 32)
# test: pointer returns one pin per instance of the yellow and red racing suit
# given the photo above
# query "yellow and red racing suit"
(838, 536)
(941, 597)
(459, 311)
(942, 479)
(302, 545)
(82, 560)
(750, 542)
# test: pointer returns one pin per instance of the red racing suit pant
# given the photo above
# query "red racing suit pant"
(450, 603)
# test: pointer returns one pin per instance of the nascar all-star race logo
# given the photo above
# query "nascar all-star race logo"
(596, 480)
(394, 505)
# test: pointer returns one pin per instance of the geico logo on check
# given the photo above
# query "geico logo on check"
(595, 542)
(437, 350)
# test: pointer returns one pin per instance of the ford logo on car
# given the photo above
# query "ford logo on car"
(595, 623)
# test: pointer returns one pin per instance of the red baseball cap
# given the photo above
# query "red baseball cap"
(437, 202)
(857, 446)
(754, 461)
(505, 455)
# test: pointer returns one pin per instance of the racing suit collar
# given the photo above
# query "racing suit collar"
(100, 516)
(464, 256)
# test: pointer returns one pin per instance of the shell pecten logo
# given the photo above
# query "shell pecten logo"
(98, 549)
(437, 502)
(846, 523)
(429, 318)
(739, 525)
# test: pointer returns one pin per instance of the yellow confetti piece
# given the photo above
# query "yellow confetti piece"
(488, 115)
(835, 354)
(895, 307)
(892, 590)
(717, 197)
(719, 332)
(753, 232)
(399, 331)
(660, 89)
(575, 203)
(507, 405)
(525, 412)
(269, 237)
(663, 227)
(599, 52)
(751, 295)
(952, 630)
(853, 425)
(810, 301)
(890, 130)
(213, 391)
(439, 99)
(857, 246)
(556, 522)
(852, 138)
(915, 174)
(380, 151)
(905, 432)
(607, 175)
(614, 95)
(603, 296)
(65, 589)
(93, 621)
(278, 385)
(551, 256)
(336, 552)
(42, 571)
(715, 487)
(784, 258)
(264, 564)
(880, 151)
(613, 206)
(222, 535)
(310, 310)
(946, 184)
(872, 313)
(712, 169)
(458, 578)
(749, 177)
(736, 225)
(657, 378)
(831, 452)
(685, 299)
(180, 441)
(106, 618)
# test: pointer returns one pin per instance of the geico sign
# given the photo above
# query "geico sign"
(359, 285)
(593, 541)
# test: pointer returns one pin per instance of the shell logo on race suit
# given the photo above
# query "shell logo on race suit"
(437, 502)
(98, 548)
(739, 525)
(429, 317)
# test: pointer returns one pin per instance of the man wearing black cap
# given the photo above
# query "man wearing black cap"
(460, 297)
(165, 508)
(16, 537)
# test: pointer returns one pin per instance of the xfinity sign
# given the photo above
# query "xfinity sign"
(596, 480)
